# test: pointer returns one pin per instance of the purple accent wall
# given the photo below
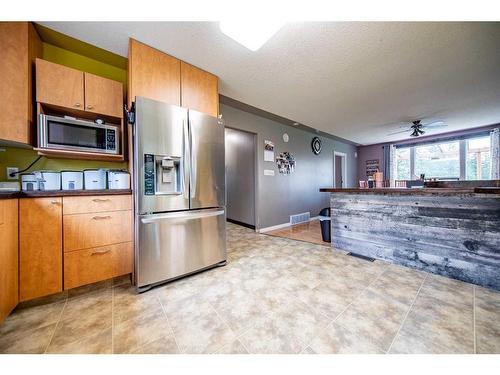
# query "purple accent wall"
(375, 151)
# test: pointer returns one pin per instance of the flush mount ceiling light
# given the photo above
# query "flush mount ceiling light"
(252, 35)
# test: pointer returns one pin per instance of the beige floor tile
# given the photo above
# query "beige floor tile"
(308, 350)
(164, 345)
(235, 347)
(97, 302)
(337, 340)
(271, 336)
(33, 341)
(135, 333)
(99, 343)
(487, 320)
(128, 304)
(30, 318)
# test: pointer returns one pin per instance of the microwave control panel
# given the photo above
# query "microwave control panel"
(111, 140)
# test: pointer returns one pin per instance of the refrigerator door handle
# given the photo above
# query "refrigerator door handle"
(151, 219)
(186, 159)
(194, 151)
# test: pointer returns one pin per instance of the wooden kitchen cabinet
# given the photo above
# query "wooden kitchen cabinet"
(40, 247)
(65, 87)
(103, 95)
(9, 263)
(153, 74)
(59, 85)
(20, 44)
(199, 90)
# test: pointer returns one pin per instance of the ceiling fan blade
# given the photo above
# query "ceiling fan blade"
(435, 124)
(400, 131)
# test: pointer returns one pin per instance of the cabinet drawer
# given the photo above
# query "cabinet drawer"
(92, 265)
(96, 203)
(83, 231)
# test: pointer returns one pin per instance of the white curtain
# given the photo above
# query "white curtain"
(495, 154)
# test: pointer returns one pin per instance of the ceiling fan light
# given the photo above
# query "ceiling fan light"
(415, 133)
(249, 34)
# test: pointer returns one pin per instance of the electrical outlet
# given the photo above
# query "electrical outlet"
(12, 170)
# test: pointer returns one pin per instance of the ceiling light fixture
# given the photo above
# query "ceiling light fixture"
(251, 35)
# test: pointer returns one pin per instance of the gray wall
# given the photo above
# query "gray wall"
(279, 196)
(240, 176)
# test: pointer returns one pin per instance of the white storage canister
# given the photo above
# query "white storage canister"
(94, 179)
(29, 182)
(118, 180)
(72, 180)
(49, 180)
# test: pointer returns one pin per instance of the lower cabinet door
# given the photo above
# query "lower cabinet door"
(88, 266)
(9, 265)
(40, 247)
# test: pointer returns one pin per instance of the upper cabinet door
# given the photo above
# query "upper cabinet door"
(199, 90)
(153, 74)
(59, 85)
(19, 44)
(103, 96)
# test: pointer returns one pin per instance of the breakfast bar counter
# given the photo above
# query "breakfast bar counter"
(448, 231)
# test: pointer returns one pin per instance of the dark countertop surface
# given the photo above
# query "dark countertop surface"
(415, 191)
(60, 193)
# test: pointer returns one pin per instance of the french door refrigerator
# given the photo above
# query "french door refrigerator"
(179, 192)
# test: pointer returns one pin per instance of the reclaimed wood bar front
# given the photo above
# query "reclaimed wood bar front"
(451, 232)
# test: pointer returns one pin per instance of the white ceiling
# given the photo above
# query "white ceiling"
(348, 79)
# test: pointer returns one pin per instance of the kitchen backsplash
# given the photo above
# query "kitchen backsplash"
(21, 158)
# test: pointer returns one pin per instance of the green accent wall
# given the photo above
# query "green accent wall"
(22, 157)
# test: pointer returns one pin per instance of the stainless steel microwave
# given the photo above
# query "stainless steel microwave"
(60, 133)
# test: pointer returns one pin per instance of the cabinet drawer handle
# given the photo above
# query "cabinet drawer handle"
(101, 217)
(54, 202)
(98, 200)
(77, 104)
(100, 252)
(90, 106)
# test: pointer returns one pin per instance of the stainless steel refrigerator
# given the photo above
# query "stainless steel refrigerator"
(179, 192)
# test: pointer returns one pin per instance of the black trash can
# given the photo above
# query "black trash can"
(325, 221)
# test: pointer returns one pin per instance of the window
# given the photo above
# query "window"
(402, 163)
(464, 159)
(478, 159)
(439, 160)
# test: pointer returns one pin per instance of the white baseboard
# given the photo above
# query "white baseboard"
(281, 226)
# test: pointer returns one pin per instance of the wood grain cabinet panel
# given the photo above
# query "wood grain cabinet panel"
(88, 266)
(95, 204)
(9, 262)
(19, 44)
(153, 74)
(199, 90)
(83, 231)
(59, 85)
(103, 96)
(40, 251)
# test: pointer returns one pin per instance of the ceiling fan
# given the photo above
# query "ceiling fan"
(417, 128)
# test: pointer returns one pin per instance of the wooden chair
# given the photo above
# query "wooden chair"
(400, 183)
(363, 184)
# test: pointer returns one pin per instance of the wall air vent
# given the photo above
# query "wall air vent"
(300, 218)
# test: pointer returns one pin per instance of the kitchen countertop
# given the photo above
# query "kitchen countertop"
(415, 191)
(60, 193)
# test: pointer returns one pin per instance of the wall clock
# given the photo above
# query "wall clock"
(316, 145)
(286, 138)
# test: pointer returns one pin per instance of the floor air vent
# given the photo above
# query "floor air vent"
(300, 218)
(368, 259)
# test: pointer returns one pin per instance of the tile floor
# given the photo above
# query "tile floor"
(275, 295)
(308, 232)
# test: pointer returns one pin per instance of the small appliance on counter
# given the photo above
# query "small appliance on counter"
(48, 180)
(9, 186)
(72, 180)
(29, 182)
(118, 179)
(94, 179)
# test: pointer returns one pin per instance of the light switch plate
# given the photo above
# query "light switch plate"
(12, 170)
(268, 172)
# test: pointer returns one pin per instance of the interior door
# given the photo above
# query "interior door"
(207, 183)
(161, 157)
(177, 243)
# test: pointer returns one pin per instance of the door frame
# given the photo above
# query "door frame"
(255, 173)
(343, 157)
